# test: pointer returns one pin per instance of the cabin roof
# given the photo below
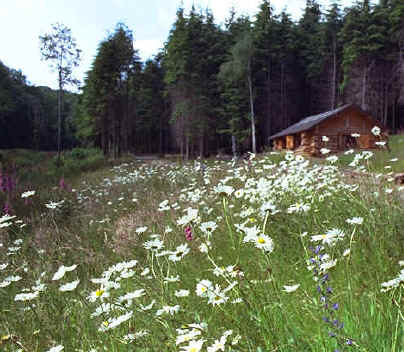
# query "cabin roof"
(308, 122)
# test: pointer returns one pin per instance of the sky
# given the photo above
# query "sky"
(23, 21)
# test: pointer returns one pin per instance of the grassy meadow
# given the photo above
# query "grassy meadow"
(274, 253)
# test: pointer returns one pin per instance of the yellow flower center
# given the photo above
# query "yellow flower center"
(99, 292)
(261, 240)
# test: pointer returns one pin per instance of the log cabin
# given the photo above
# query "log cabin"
(347, 127)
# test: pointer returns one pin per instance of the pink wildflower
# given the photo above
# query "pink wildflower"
(188, 233)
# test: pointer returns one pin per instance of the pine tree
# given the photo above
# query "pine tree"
(312, 56)
(193, 55)
(152, 114)
(106, 93)
(333, 46)
(364, 42)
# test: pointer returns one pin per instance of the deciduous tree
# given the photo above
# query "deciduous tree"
(59, 48)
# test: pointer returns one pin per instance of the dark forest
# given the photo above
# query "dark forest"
(219, 88)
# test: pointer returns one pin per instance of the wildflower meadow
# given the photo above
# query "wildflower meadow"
(273, 253)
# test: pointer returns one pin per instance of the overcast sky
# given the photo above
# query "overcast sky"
(22, 21)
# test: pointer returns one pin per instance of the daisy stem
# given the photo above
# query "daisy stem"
(265, 222)
(227, 221)
(350, 242)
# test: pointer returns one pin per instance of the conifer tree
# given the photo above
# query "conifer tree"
(333, 47)
(363, 40)
(106, 93)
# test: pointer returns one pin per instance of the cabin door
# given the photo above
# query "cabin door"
(349, 142)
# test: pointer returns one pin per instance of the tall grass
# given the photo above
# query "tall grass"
(269, 254)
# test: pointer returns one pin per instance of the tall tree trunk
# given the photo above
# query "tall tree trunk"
(364, 83)
(386, 105)
(394, 127)
(59, 141)
(182, 146)
(233, 145)
(334, 74)
(254, 145)
(201, 145)
(161, 135)
(187, 147)
(269, 105)
(284, 120)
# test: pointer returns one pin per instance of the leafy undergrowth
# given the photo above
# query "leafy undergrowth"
(260, 255)
(28, 168)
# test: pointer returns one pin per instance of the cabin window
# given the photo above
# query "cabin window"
(290, 142)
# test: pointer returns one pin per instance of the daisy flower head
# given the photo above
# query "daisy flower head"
(27, 194)
(203, 288)
(330, 237)
(154, 245)
(219, 345)
(190, 217)
(217, 296)
(332, 159)
(181, 293)
(193, 346)
(355, 221)
(180, 252)
(376, 131)
(224, 190)
(264, 242)
(26, 296)
(100, 293)
(239, 193)
(289, 289)
(380, 143)
(114, 322)
(141, 229)
(62, 271)
(168, 310)
(56, 349)
(70, 286)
